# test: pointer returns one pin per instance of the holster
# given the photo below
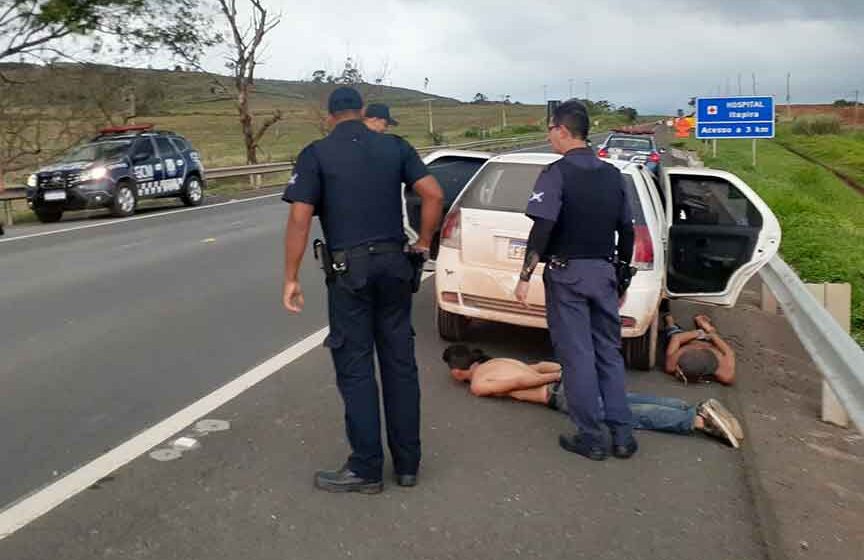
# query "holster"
(417, 261)
(624, 274)
(331, 265)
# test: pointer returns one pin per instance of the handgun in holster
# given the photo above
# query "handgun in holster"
(417, 261)
(624, 274)
(331, 267)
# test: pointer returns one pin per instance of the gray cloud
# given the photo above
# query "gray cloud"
(650, 54)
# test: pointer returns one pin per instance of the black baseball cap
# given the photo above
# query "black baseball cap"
(380, 111)
(344, 99)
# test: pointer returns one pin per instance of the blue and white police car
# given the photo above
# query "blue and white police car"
(117, 169)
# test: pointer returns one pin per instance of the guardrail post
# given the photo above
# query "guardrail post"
(837, 299)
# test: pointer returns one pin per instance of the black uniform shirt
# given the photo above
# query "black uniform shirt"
(354, 178)
(587, 200)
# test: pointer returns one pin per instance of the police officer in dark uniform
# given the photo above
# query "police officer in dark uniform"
(578, 205)
(352, 180)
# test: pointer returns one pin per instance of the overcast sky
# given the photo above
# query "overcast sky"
(650, 54)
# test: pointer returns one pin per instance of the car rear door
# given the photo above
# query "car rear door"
(720, 234)
(453, 169)
(146, 166)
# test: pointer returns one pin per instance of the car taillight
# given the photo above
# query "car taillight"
(643, 248)
(451, 231)
(654, 157)
(603, 152)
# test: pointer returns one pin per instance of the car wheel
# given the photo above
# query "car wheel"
(125, 200)
(641, 352)
(451, 326)
(193, 191)
(48, 215)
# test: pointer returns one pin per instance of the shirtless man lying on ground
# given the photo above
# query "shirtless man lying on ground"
(699, 355)
(541, 383)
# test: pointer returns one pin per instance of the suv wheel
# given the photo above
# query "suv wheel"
(451, 327)
(193, 191)
(125, 200)
(641, 352)
(48, 215)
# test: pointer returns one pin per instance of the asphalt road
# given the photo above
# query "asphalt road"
(105, 331)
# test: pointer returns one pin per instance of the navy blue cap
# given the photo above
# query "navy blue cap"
(380, 111)
(344, 99)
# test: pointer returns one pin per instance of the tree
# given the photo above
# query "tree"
(39, 29)
(480, 98)
(318, 76)
(628, 112)
(351, 74)
(246, 43)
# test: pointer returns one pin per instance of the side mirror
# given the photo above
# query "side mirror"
(662, 150)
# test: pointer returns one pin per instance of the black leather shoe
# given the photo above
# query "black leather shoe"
(575, 444)
(346, 480)
(625, 450)
(406, 480)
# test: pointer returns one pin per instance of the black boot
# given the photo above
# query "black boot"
(346, 480)
(587, 447)
(624, 445)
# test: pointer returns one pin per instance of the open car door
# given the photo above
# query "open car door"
(720, 234)
(453, 169)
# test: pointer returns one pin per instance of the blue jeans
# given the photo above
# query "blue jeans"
(661, 414)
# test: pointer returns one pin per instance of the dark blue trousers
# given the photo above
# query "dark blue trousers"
(370, 311)
(582, 312)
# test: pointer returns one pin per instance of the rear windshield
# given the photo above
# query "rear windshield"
(627, 143)
(453, 173)
(506, 187)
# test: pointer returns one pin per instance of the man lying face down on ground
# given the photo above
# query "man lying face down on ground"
(541, 383)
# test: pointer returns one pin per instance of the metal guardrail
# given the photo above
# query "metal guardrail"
(833, 351)
(19, 193)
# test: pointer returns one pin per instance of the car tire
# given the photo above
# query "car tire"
(641, 352)
(451, 327)
(193, 191)
(48, 215)
(125, 200)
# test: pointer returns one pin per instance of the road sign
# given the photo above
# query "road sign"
(735, 117)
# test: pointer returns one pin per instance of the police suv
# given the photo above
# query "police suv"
(117, 169)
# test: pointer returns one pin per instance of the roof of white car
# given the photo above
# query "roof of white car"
(456, 153)
(545, 158)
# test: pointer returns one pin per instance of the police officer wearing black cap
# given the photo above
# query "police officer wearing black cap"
(352, 180)
(578, 205)
(377, 117)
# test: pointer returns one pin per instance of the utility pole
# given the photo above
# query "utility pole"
(429, 114)
(855, 118)
(739, 83)
(788, 95)
(587, 90)
(754, 83)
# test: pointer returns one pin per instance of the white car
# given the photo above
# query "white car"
(700, 235)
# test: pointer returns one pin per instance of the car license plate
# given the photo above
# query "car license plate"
(516, 249)
(54, 195)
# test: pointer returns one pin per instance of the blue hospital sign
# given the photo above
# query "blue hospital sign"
(735, 117)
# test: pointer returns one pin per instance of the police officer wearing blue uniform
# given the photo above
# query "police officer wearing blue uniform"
(352, 180)
(578, 204)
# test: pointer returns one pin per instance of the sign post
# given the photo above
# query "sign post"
(735, 117)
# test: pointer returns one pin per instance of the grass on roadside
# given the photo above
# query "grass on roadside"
(843, 152)
(822, 218)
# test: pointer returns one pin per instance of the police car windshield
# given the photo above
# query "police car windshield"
(506, 187)
(627, 143)
(97, 151)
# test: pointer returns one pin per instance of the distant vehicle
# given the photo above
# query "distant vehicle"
(632, 147)
(453, 169)
(700, 236)
(117, 169)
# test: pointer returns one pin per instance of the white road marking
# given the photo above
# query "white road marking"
(42, 501)
(136, 218)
